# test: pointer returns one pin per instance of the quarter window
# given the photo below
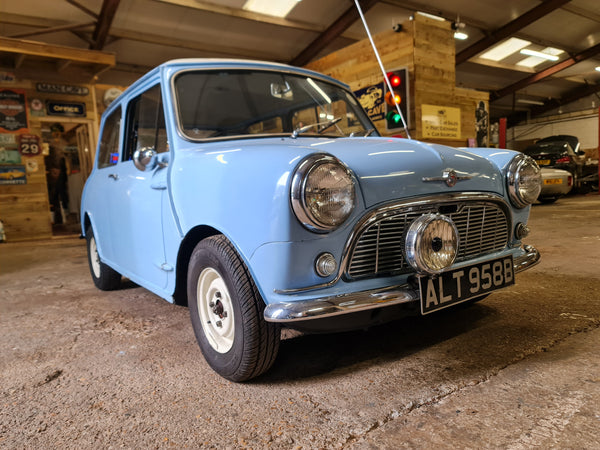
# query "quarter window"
(109, 143)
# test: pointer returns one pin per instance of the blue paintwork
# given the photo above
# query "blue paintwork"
(240, 187)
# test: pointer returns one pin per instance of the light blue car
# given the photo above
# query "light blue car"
(262, 196)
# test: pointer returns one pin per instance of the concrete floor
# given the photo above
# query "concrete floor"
(81, 368)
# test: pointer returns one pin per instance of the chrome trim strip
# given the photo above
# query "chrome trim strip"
(361, 301)
(340, 304)
(529, 259)
(390, 209)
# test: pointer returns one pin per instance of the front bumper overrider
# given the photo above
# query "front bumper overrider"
(364, 300)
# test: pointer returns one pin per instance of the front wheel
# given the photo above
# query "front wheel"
(105, 278)
(227, 312)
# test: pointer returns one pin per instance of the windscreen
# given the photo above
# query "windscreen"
(222, 103)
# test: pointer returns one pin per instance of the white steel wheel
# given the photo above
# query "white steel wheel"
(105, 278)
(227, 312)
(94, 258)
(215, 310)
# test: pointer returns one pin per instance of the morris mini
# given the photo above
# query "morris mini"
(261, 195)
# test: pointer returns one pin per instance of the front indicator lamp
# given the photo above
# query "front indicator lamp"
(325, 265)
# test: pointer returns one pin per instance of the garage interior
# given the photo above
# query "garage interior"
(84, 368)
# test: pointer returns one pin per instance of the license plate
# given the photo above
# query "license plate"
(543, 162)
(459, 285)
(553, 181)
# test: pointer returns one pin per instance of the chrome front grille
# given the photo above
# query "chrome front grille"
(483, 227)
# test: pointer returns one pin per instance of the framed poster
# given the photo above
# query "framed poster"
(13, 111)
(13, 175)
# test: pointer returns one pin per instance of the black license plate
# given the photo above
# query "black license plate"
(458, 285)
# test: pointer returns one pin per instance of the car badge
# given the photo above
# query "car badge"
(449, 176)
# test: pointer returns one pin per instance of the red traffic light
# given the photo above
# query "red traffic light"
(394, 79)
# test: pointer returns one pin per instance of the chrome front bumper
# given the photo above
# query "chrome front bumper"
(364, 300)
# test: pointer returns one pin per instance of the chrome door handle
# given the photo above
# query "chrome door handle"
(114, 176)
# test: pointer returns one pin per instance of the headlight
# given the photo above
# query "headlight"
(322, 193)
(524, 181)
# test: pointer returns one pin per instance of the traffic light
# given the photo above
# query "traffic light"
(398, 95)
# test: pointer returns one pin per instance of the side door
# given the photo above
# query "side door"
(99, 187)
(137, 196)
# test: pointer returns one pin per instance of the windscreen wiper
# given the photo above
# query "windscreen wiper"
(322, 126)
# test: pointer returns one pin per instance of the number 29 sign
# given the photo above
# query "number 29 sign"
(29, 145)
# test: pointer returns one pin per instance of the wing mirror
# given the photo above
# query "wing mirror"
(146, 159)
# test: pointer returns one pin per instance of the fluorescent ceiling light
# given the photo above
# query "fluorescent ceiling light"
(598, 68)
(537, 54)
(505, 49)
(278, 8)
(460, 36)
(533, 61)
(431, 16)
(530, 102)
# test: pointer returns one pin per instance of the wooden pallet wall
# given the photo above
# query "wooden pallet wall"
(24, 208)
(426, 47)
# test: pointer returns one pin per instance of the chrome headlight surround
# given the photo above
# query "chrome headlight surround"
(524, 181)
(431, 243)
(322, 193)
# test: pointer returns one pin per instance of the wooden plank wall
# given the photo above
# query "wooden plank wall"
(24, 208)
(426, 47)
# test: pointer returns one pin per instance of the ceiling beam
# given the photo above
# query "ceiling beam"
(89, 12)
(69, 27)
(581, 12)
(332, 32)
(31, 48)
(581, 56)
(569, 97)
(509, 29)
(107, 14)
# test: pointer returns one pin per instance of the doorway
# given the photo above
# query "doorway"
(69, 160)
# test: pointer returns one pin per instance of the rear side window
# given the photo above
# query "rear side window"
(146, 123)
(109, 142)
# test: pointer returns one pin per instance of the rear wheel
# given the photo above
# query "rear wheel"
(105, 278)
(227, 312)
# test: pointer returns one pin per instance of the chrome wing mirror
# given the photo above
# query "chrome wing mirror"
(145, 158)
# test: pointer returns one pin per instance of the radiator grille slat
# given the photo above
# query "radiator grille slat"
(379, 250)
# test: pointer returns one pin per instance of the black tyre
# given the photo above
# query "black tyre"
(548, 200)
(227, 312)
(105, 278)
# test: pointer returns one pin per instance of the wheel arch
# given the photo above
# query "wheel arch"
(87, 223)
(186, 248)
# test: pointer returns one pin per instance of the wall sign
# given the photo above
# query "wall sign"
(36, 107)
(29, 145)
(13, 175)
(55, 108)
(371, 99)
(66, 89)
(7, 77)
(13, 110)
(440, 122)
(9, 156)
